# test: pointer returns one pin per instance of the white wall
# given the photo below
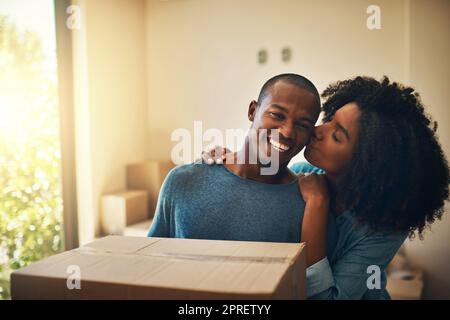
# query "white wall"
(430, 75)
(111, 106)
(201, 55)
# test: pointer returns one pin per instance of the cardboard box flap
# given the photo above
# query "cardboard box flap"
(222, 248)
(122, 269)
(251, 278)
(116, 244)
(60, 268)
(248, 266)
(129, 193)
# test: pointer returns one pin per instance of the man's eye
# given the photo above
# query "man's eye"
(335, 137)
(304, 126)
(277, 116)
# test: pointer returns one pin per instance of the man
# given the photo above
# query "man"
(237, 201)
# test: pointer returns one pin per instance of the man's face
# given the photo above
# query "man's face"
(290, 110)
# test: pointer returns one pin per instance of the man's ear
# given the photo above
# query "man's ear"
(252, 110)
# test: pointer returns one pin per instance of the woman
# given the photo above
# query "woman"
(385, 178)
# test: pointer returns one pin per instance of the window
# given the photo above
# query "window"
(31, 206)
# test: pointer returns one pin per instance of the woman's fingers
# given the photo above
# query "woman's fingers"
(313, 186)
(206, 157)
(215, 155)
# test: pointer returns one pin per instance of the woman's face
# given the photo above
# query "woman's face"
(332, 143)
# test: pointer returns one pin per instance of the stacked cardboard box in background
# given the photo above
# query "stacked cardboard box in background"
(130, 212)
(405, 285)
(139, 229)
(148, 175)
(123, 209)
(403, 281)
(117, 267)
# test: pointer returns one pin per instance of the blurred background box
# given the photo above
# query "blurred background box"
(138, 230)
(404, 282)
(405, 285)
(148, 175)
(123, 209)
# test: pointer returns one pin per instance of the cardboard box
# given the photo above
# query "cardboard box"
(123, 209)
(118, 267)
(138, 229)
(398, 263)
(148, 175)
(405, 285)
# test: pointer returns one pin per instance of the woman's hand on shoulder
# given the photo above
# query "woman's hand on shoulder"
(313, 187)
(216, 155)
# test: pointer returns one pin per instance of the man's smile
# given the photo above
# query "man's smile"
(281, 147)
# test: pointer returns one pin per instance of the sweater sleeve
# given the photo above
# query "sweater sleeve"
(161, 225)
(357, 271)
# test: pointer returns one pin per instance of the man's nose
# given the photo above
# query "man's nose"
(287, 131)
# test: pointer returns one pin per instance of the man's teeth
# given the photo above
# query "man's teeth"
(279, 146)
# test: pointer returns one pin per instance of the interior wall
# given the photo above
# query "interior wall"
(111, 104)
(202, 55)
(430, 75)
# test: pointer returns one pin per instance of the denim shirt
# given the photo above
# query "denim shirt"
(356, 267)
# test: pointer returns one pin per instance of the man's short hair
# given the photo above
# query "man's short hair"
(291, 78)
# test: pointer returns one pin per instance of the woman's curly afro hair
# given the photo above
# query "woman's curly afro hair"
(398, 178)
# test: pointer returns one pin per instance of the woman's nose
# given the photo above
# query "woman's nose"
(318, 132)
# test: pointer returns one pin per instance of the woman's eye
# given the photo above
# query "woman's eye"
(335, 137)
(328, 118)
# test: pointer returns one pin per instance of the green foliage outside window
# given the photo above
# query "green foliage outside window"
(30, 184)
